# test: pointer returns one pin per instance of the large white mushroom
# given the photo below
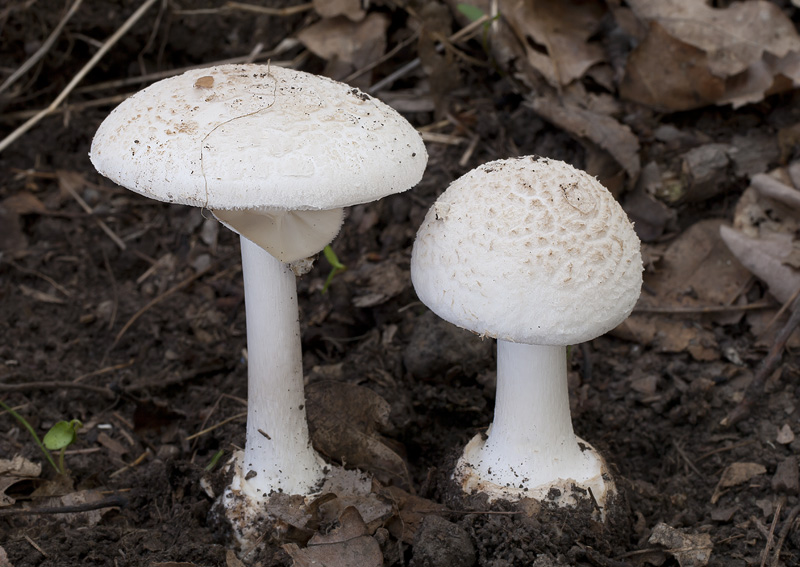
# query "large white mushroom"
(538, 255)
(275, 154)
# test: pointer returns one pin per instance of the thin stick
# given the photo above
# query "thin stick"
(155, 301)
(11, 138)
(48, 43)
(213, 427)
(702, 309)
(56, 385)
(116, 501)
(231, 6)
(771, 534)
(756, 387)
(787, 527)
(67, 184)
(781, 311)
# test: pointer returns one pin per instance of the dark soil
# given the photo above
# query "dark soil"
(145, 345)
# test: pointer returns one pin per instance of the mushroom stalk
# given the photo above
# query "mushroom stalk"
(531, 435)
(531, 447)
(278, 448)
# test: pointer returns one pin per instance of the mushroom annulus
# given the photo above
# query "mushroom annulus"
(538, 255)
(275, 154)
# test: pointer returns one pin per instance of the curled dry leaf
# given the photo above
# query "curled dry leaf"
(344, 421)
(556, 36)
(348, 545)
(13, 471)
(736, 474)
(694, 54)
(345, 44)
(602, 130)
(690, 550)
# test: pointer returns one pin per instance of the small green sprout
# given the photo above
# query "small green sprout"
(58, 438)
(214, 460)
(336, 266)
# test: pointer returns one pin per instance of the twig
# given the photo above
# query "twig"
(689, 463)
(156, 301)
(65, 180)
(771, 534)
(702, 309)
(756, 387)
(787, 527)
(109, 502)
(55, 385)
(231, 6)
(11, 138)
(410, 66)
(781, 311)
(45, 47)
(213, 427)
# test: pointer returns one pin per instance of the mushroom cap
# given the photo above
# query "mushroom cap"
(528, 250)
(258, 137)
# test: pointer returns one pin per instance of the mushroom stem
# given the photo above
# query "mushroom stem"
(278, 448)
(531, 446)
(532, 424)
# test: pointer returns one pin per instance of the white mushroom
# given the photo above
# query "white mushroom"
(275, 154)
(538, 255)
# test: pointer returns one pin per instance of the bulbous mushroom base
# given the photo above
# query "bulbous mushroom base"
(249, 516)
(478, 471)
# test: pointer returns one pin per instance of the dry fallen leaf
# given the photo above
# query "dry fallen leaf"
(348, 545)
(13, 471)
(602, 130)
(4, 562)
(344, 421)
(697, 270)
(556, 36)
(706, 55)
(736, 474)
(690, 550)
(345, 44)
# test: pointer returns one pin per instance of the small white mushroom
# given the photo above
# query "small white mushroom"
(275, 154)
(538, 255)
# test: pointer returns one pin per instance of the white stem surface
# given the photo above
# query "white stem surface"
(531, 445)
(278, 454)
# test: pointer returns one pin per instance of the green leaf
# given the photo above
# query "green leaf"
(472, 12)
(61, 435)
(336, 266)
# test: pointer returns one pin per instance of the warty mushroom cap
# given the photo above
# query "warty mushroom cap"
(258, 137)
(528, 250)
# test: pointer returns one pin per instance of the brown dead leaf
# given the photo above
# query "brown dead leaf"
(13, 471)
(600, 129)
(556, 35)
(690, 550)
(766, 258)
(683, 80)
(348, 545)
(332, 8)
(734, 37)
(384, 280)
(696, 270)
(344, 422)
(410, 511)
(345, 44)
(4, 562)
(736, 474)
(23, 203)
(706, 55)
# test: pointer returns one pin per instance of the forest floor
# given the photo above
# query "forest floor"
(127, 314)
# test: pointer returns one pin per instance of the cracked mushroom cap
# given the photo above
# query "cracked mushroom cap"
(258, 137)
(528, 250)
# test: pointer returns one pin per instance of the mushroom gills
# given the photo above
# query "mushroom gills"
(288, 235)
